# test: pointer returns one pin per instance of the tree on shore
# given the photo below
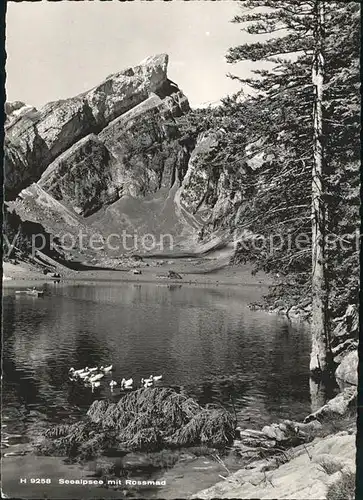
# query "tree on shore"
(307, 119)
(320, 359)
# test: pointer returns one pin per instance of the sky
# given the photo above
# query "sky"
(58, 50)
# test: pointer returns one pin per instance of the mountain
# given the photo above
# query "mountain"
(88, 126)
(118, 158)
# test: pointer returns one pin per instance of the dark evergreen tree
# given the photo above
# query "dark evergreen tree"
(284, 128)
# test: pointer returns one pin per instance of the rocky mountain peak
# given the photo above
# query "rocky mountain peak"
(153, 69)
(34, 141)
(115, 158)
(16, 109)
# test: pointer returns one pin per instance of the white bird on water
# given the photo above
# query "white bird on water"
(147, 382)
(113, 383)
(72, 371)
(106, 369)
(78, 374)
(126, 384)
(95, 378)
(94, 385)
(91, 376)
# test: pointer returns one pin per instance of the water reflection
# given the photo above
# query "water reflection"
(203, 339)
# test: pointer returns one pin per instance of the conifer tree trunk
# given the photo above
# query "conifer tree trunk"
(319, 361)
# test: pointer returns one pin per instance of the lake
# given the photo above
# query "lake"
(203, 339)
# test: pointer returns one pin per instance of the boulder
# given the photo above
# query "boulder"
(341, 350)
(274, 432)
(346, 326)
(337, 406)
(310, 427)
(347, 371)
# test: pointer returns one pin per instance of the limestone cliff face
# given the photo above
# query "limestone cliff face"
(144, 145)
(49, 138)
(214, 195)
(81, 176)
(124, 145)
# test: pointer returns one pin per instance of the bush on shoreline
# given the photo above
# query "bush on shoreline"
(144, 420)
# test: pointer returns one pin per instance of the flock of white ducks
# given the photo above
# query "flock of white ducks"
(92, 377)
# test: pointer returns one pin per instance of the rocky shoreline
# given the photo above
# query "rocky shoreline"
(297, 460)
(312, 471)
(313, 459)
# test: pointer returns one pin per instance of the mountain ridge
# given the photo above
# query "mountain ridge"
(123, 145)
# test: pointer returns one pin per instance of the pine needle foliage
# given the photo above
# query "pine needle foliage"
(144, 420)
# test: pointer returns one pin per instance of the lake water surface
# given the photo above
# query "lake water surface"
(204, 339)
